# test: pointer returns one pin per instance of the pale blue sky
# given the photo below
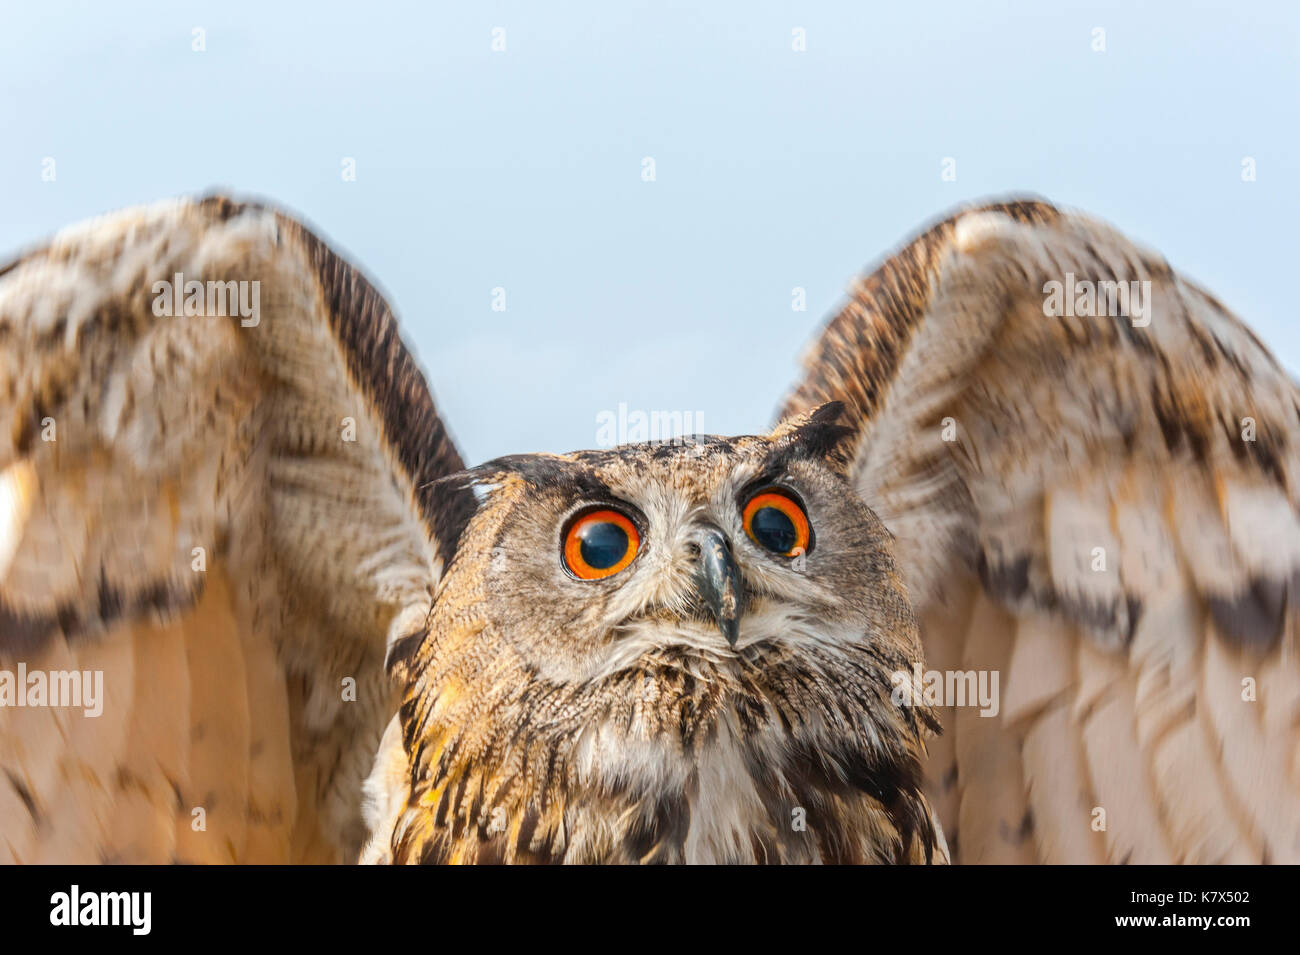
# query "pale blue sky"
(775, 169)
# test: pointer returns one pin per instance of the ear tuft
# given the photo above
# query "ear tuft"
(825, 414)
(449, 504)
(815, 434)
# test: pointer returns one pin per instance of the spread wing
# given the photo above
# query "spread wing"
(1096, 502)
(213, 518)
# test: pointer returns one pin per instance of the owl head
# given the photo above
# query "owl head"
(665, 652)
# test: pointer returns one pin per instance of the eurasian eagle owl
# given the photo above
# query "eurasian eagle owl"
(1025, 445)
(670, 653)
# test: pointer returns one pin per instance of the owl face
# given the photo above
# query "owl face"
(706, 550)
(686, 643)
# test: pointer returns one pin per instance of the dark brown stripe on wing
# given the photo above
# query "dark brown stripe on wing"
(859, 351)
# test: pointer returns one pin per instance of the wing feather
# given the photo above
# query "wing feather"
(227, 512)
(1060, 793)
(995, 822)
(1121, 481)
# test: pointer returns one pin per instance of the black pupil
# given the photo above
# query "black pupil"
(603, 544)
(773, 529)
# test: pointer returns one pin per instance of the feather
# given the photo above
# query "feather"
(1122, 481)
(223, 513)
(995, 823)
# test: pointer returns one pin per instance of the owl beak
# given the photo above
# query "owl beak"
(719, 582)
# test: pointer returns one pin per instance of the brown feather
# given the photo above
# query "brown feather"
(1112, 483)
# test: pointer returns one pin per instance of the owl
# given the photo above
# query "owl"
(1012, 579)
(672, 653)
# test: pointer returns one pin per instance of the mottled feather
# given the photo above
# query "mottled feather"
(1125, 487)
(227, 515)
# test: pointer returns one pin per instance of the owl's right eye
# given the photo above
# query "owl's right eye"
(599, 544)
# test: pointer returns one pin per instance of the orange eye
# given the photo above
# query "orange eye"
(776, 521)
(600, 544)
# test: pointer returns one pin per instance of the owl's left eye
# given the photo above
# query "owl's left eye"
(775, 520)
(599, 544)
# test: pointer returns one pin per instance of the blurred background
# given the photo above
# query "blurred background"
(454, 149)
